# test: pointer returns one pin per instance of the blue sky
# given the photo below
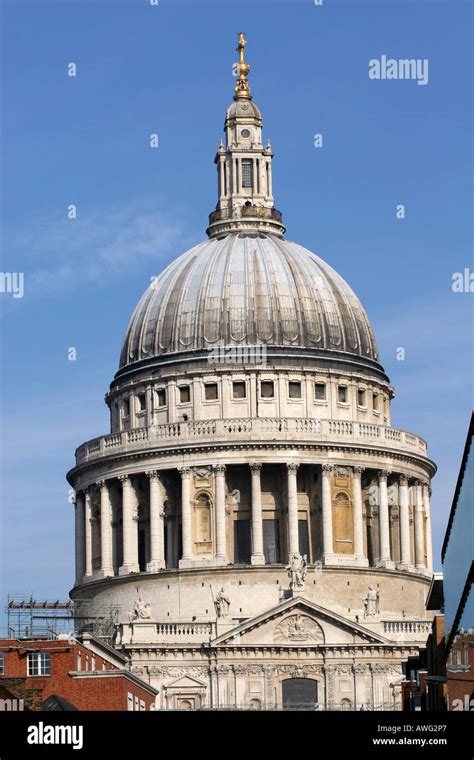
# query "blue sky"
(168, 69)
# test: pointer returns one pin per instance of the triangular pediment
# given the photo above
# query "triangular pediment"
(186, 682)
(299, 622)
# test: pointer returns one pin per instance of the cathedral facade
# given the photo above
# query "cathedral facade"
(253, 526)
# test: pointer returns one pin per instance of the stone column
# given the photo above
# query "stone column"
(221, 533)
(149, 398)
(384, 559)
(106, 568)
(88, 534)
(157, 526)
(328, 543)
(358, 518)
(293, 538)
(129, 535)
(419, 525)
(428, 537)
(258, 557)
(403, 503)
(186, 517)
(80, 537)
(221, 178)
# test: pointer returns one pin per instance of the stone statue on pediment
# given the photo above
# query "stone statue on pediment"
(371, 602)
(141, 610)
(222, 603)
(297, 569)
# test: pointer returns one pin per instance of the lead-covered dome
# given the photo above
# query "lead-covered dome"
(248, 288)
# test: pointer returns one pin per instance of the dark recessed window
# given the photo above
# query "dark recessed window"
(375, 402)
(267, 389)
(294, 389)
(184, 394)
(245, 133)
(361, 397)
(342, 394)
(161, 396)
(239, 389)
(1, 664)
(126, 407)
(320, 391)
(246, 174)
(210, 391)
(141, 402)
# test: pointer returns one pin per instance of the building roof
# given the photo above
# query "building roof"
(248, 289)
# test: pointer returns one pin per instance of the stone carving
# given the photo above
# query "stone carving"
(141, 610)
(298, 628)
(297, 570)
(222, 604)
(371, 603)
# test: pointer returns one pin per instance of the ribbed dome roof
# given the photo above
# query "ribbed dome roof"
(248, 289)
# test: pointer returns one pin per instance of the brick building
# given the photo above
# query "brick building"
(81, 673)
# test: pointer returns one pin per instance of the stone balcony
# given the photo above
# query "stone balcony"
(292, 430)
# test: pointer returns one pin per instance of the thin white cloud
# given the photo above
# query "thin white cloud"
(99, 245)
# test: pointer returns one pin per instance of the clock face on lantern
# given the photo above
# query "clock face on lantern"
(245, 133)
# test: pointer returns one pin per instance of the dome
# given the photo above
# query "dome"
(248, 288)
(243, 109)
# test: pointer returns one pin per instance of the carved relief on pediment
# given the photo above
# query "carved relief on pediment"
(298, 627)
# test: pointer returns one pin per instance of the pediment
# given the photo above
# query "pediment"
(186, 682)
(299, 622)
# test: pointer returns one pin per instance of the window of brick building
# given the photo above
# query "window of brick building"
(39, 664)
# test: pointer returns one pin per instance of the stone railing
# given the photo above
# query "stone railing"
(176, 632)
(291, 429)
(414, 627)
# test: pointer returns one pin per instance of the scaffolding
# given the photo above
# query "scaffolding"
(29, 618)
(32, 619)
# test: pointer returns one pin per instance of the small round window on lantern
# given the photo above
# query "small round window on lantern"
(245, 133)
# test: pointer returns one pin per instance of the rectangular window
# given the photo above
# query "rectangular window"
(271, 541)
(211, 392)
(142, 705)
(361, 397)
(161, 396)
(239, 389)
(294, 389)
(320, 391)
(141, 402)
(129, 701)
(126, 407)
(246, 173)
(303, 538)
(184, 394)
(375, 402)
(267, 389)
(39, 664)
(242, 548)
(2, 664)
(342, 394)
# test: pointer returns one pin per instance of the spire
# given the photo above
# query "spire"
(244, 167)
(242, 89)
